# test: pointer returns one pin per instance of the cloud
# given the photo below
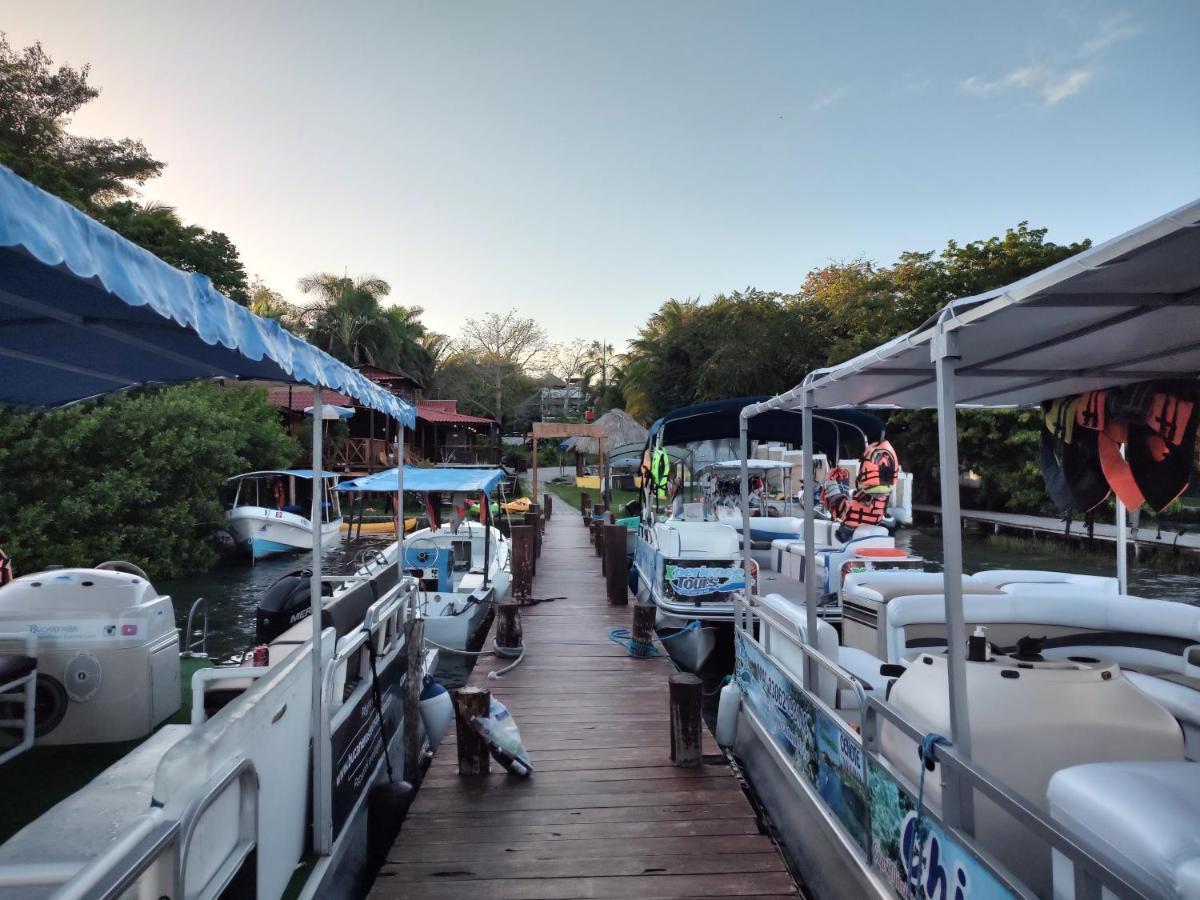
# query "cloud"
(829, 99)
(1064, 76)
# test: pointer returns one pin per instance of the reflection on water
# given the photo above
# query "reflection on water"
(233, 590)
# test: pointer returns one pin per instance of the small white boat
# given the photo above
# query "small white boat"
(271, 510)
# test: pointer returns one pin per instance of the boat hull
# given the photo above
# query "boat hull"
(266, 532)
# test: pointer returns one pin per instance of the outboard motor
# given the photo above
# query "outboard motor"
(286, 602)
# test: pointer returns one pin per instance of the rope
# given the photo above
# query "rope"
(493, 676)
(456, 650)
(387, 759)
(624, 637)
(928, 755)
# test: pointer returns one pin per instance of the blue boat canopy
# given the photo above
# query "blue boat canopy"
(85, 312)
(422, 480)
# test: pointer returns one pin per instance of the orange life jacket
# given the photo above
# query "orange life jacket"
(865, 509)
(879, 468)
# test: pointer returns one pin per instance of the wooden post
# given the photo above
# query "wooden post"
(642, 638)
(414, 642)
(547, 506)
(473, 755)
(585, 505)
(530, 521)
(616, 572)
(687, 726)
(533, 520)
(509, 636)
(522, 561)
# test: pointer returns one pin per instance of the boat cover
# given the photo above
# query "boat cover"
(85, 312)
(422, 480)
(719, 421)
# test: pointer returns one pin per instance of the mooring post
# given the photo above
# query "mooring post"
(414, 643)
(597, 525)
(641, 642)
(585, 505)
(530, 520)
(522, 561)
(687, 727)
(473, 755)
(616, 572)
(547, 506)
(509, 637)
(534, 518)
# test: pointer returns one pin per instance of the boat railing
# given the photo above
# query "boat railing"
(239, 783)
(152, 840)
(194, 646)
(1093, 877)
(27, 684)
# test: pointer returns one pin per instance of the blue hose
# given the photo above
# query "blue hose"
(928, 760)
(624, 637)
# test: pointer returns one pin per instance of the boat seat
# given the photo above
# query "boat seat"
(470, 582)
(86, 823)
(1178, 695)
(15, 666)
(1142, 815)
(697, 540)
(864, 667)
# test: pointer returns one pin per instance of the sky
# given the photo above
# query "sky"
(585, 162)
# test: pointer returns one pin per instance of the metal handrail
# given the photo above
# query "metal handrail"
(189, 634)
(242, 771)
(1094, 872)
(121, 864)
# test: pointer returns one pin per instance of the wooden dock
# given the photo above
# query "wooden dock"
(605, 814)
(1146, 535)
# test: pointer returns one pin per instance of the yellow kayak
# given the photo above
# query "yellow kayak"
(388, 527)
(520, 505)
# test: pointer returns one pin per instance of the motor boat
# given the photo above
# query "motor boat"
(270, 512)
(1001, 733)
(462, 567)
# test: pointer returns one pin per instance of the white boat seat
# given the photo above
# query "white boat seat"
(470, 582)
(1140, 814)
(1181, 698)
(864, 667)
(1000, 578)
(82, 826)
(697, 540)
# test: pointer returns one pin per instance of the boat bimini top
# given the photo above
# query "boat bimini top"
(1122, 312)
(306, 474)
(429, 479)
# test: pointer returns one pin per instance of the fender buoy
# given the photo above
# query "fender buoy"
(436, 711)
(727, 714)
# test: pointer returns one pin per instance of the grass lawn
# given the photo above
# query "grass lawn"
(570, 494)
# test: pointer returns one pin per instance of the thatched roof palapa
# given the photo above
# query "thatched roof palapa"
(619, 428)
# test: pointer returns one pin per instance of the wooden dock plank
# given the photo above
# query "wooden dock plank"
(605, 814)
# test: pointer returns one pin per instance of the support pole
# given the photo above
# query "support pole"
(547, 505)
(320, 798)
(473, 755)
(522, 564)
(509, 634)
(616, 572)
(533, 474)
(1122, 545)
(744, 453)
(810, 539)
(400, 501)
(531, 520)
(414, 646)
(958, 805)
(687, 726)
(485, 519)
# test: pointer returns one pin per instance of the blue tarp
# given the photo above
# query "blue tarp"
(85, 312)
(469, 481)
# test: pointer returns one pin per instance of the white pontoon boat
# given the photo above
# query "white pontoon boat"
(1053, 754)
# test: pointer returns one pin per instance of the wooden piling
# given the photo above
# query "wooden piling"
(616, 571)
(473, 755)
(687, 725)
(585, 505)
(534, 518)
(522, 561)
(509, 638)
(547, 506)
(414, 642)
(530, 520)
(642, 633)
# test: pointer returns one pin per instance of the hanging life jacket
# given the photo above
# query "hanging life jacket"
(660, 472)
(878, 469)
(861, 509)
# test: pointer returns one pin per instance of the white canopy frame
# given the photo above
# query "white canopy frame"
(1124, 311)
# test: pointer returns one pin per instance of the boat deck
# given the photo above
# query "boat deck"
(605, 814)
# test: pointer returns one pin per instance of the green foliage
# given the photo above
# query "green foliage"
(131, 478)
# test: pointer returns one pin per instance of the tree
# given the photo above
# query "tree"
(270, 304)
(158, 228)
(498, 349)
(348, 320)
(36, 104)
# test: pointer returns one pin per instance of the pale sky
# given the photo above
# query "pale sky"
(584, 162)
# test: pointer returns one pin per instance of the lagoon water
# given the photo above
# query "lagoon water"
(233, 589)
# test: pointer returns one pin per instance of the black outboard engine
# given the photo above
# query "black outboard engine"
(285, 603)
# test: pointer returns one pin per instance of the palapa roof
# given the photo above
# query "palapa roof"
(619, 428)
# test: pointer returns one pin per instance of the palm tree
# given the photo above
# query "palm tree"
(348, 320)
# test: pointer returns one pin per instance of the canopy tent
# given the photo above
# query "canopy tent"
(424, 480)
(84, 312)
(1124, 311)
(719, 420)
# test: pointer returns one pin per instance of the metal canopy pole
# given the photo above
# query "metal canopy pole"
(810, 538)
(744, 450)
(1122, 549)
(399, 501)
(957, 807)
(320, 803)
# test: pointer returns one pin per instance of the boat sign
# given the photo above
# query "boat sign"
(696, 581)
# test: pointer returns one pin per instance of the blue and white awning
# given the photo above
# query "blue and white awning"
(84, 312)
(421, 480)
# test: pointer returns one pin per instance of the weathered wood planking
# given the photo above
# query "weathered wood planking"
(605, 813)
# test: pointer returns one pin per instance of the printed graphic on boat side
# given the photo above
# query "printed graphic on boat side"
(698, 581)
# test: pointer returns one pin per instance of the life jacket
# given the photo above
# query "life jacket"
(865, 508)
(660, 471)
(878, 470)
(6, 568)
(280, 499)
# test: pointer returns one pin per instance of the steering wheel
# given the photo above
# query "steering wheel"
(420, 553)
(120, 565)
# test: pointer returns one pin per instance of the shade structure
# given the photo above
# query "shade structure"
(718, 420)
(422, 480)
(1126, 310)
(331, 413)
(295, 473)
(84, 312)
(619, 428)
